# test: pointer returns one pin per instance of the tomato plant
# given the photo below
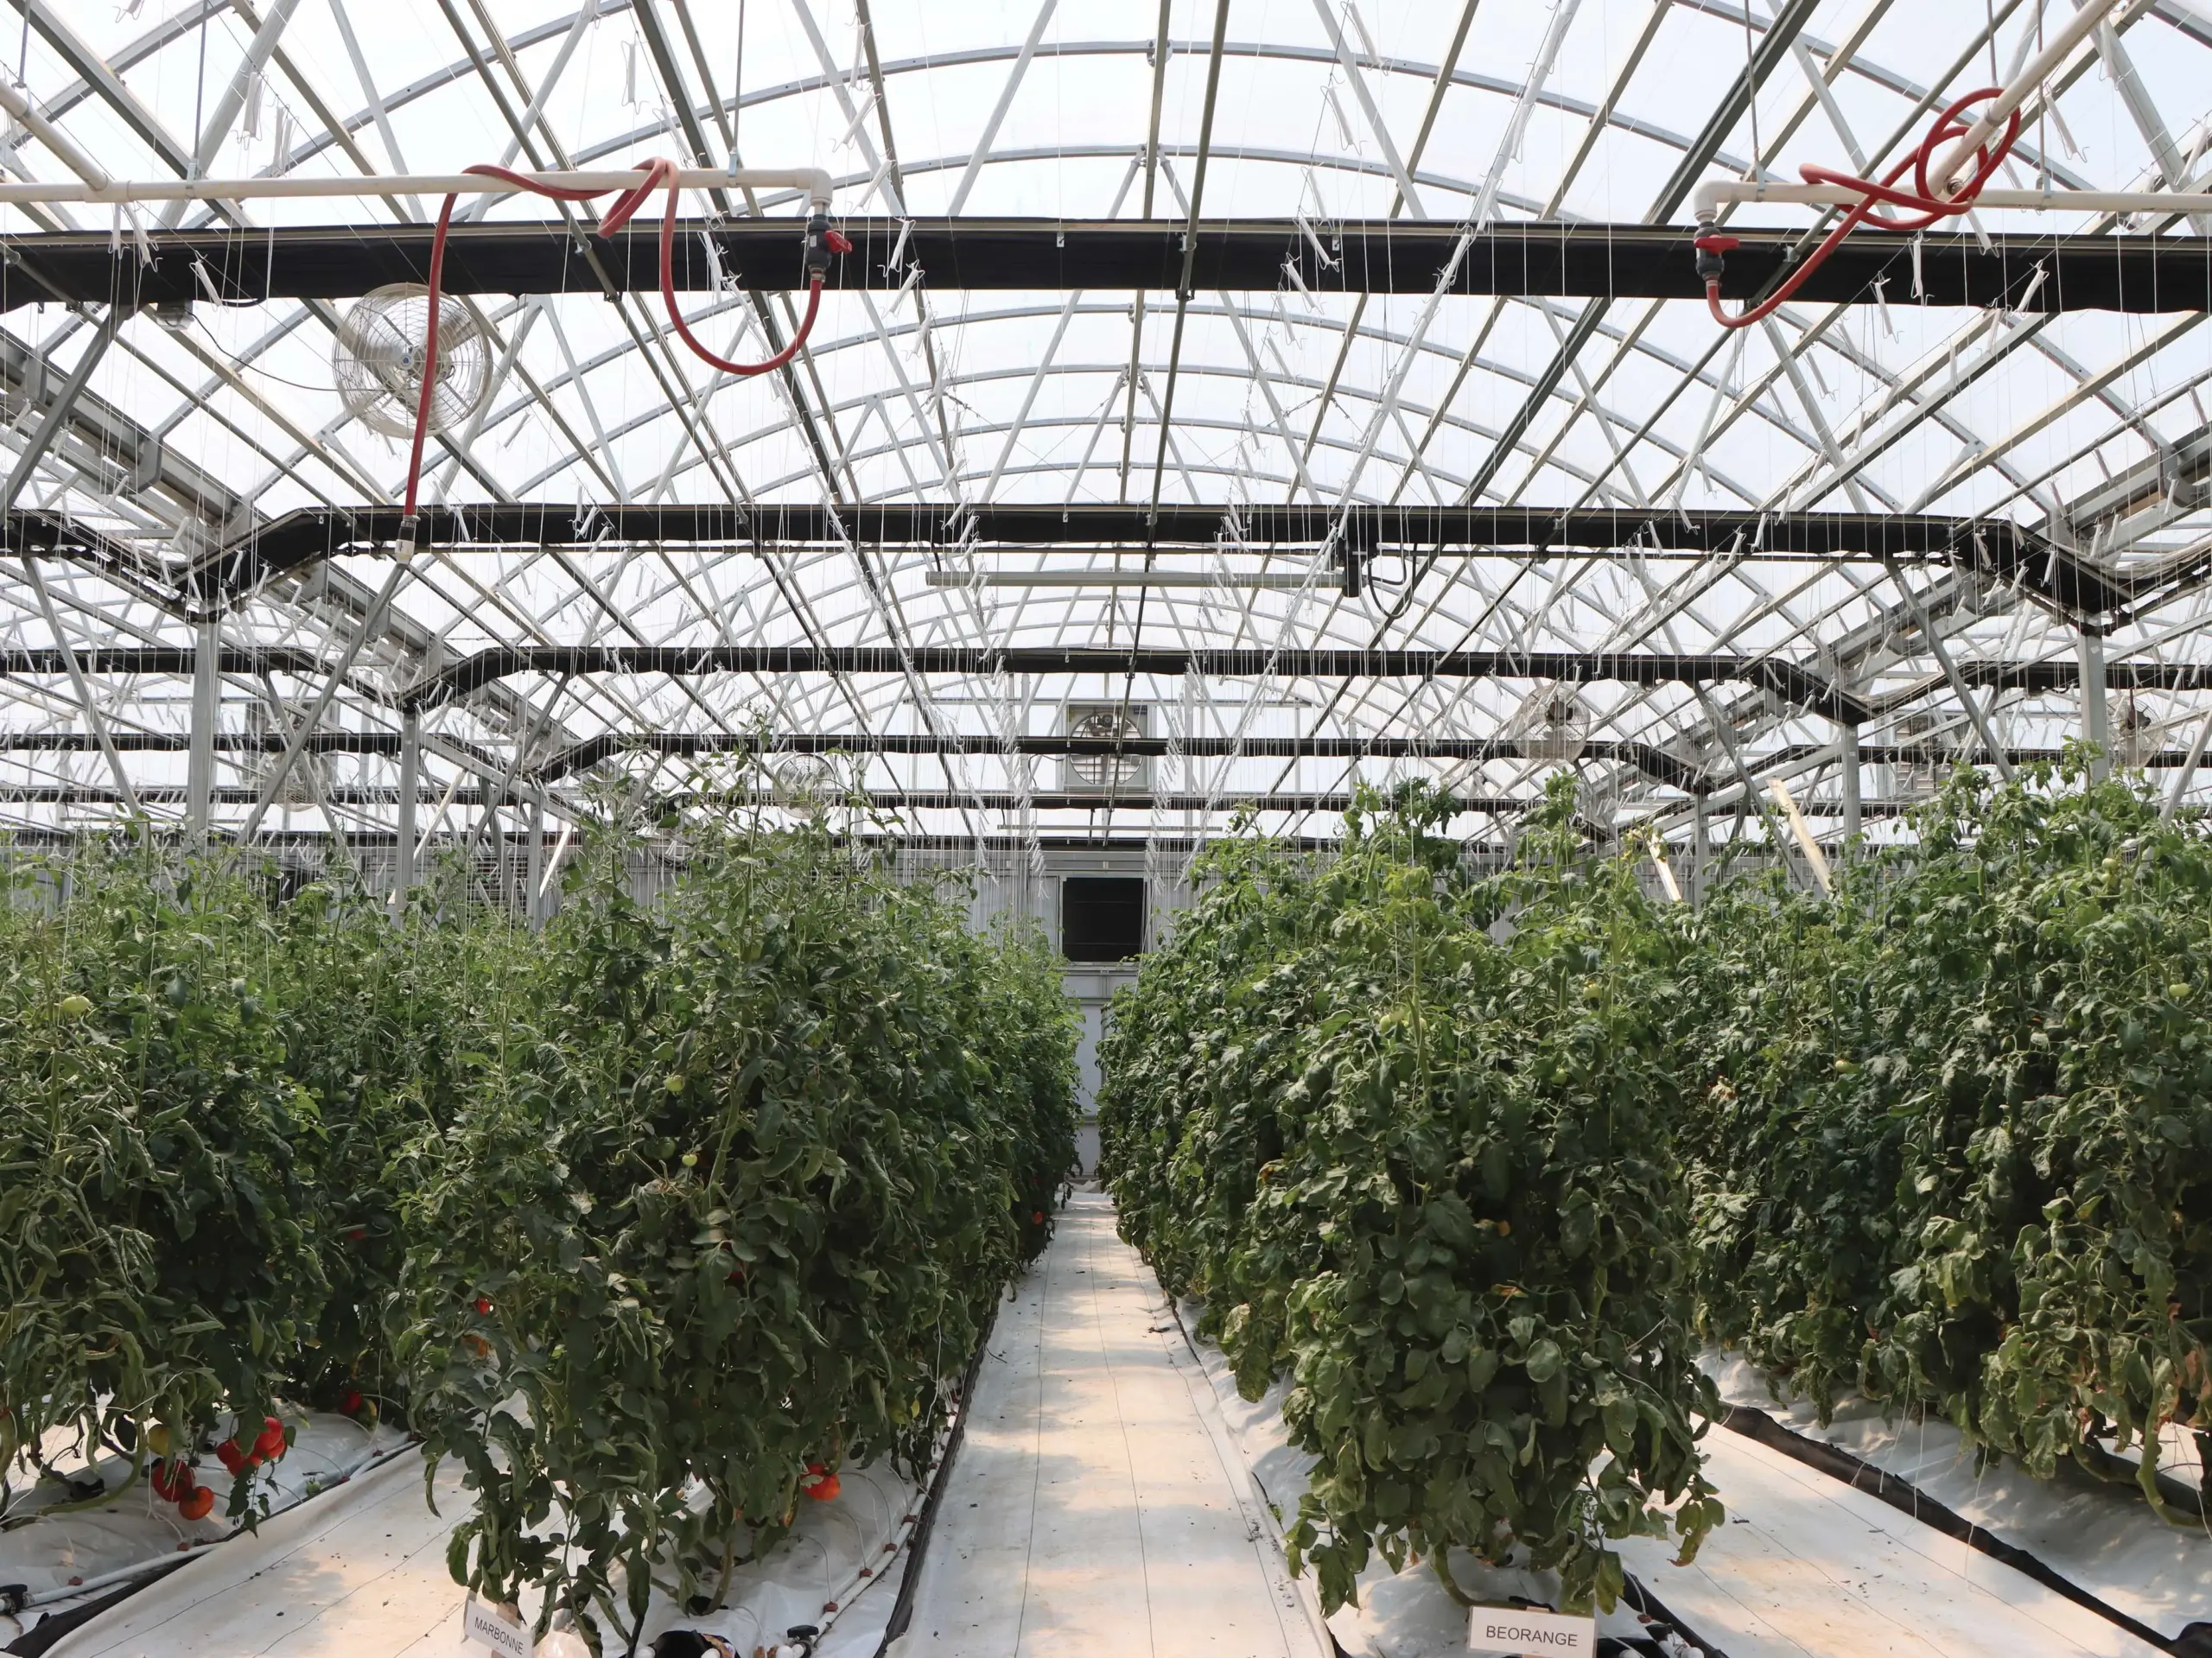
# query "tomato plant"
(1430, 1175)
(380, 1025)
(1958, 1125)
(728, 1209)
(158, 1263)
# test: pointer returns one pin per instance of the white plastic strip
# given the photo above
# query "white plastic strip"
(814, 181)
(1714, 193)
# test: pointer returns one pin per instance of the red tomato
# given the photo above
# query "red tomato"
(230, 1456)
(163, 1479)
(351, 1404)
(196, 1504)
(270, 1445)
(1037, 1219)
(483, 1304)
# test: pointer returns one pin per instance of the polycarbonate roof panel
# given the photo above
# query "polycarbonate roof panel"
(195, 428)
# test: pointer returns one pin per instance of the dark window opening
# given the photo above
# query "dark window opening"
(1101, 918)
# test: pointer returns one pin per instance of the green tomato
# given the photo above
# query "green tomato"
(74, 1006)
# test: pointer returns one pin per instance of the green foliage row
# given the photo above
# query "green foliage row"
(1475, 1164)
(1430, 1176)
(201, 1088)
(639, 1218)
(1955, 1126)
(730, 1211)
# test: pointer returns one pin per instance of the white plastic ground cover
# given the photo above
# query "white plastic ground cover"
(1807, 1567)
(2104, 1541)
(1092, 1511)
(360, 1573)
(54, 1564)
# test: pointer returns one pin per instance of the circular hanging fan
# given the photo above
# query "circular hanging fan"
(805, 784)
(1106, 770)
(1554, 724)
(377, 360)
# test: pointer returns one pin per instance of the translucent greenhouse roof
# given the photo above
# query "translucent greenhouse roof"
(202, 426)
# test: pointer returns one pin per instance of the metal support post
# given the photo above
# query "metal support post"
(1700, 847)
(206, 704)
(1846, 735)
(534, 871)
(312, 719)
(410, 780)
(2096, 719)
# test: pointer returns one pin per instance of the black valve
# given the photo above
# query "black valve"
(1712, 255)
(822, 239)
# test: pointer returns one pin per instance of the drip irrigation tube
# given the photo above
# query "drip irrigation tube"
(1939, 190)
(821, 241)
(1933, 199)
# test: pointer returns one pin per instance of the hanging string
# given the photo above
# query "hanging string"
(1751, 91)
(737, 86)
(199, 90)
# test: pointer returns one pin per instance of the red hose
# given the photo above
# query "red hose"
(654, 174)
(1924, 206)
(429, 370)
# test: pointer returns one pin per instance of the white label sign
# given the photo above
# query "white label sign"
(484, 1624)
(1523, 1634)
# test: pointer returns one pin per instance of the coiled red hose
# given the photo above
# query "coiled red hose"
(1922, 206)
(821, 240)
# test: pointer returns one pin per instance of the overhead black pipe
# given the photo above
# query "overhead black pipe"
(2040, 273)
(2001, 550)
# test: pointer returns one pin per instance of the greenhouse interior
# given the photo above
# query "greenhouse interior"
(1504, 703)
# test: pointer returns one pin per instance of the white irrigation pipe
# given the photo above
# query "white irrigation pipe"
(2071, 34)
(1714, 194)
(1944, 173)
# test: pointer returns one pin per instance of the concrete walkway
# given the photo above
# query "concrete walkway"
(1096, 1505)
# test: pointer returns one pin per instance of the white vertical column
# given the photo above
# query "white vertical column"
(2096, 723)
(1847, 744)
(206, 704)
(1701, 847)
(534, 874)
(411, 783)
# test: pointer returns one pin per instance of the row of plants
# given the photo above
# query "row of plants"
(653, 1220)
(201, 1086)
(733, 1212)
(1954, 1125)
(1478, 1166)
(1411, 1139)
